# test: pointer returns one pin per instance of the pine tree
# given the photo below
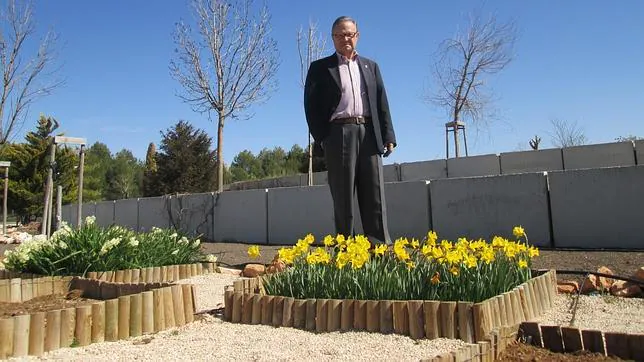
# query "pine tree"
(150, 186)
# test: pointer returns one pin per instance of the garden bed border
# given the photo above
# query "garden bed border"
(490, 325)
(122, 310)
(562, 339)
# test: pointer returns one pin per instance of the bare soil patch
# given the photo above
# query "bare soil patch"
(43, 304)
(526, 353)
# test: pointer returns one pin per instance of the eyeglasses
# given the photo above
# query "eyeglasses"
(345, 35)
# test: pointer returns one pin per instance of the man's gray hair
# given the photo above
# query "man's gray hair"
(343, 19)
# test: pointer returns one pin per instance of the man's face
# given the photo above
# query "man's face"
(345, 38)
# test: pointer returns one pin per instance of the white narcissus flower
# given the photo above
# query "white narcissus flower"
(90, 220)
(196, 243)
(211, 258)
(175, 252)
(62, 245)
(134, 242)
(183, 240)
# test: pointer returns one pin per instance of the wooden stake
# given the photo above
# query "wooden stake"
(119, 276)
(401, 317)
(147, 324)
(360, 315)
(465, 322)
(287, 314)
(6, 337)
(188, 305)
(124, 317)
(83, 325)
(481, 325)
(431, 316)
(267, 310)
(37, 334)
(5, 291)
(256, 314)
(136, 275)
(21, 325)
(311, 310)
(278, 311)
(416, 319)
(98, 322)
(386, 316)
(159, 310)
(508, 309)
(127, 276)
(299, 313)
(372, 311)
(334, 316)
(346, 321)
(15, 291)
(247, 308)
(228, 303)
(156, 274)
(168, 308)
(448, 319)
(322, 314)
(26, 288)
(177, 303)
(136, 315)
(237, 307)
(67, 326)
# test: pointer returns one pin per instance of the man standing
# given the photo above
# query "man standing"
(348, 116)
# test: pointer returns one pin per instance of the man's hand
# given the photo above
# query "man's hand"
(389, 148)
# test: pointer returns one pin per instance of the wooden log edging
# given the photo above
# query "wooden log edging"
(627, 346)
(246, 302)
(120, 312)
(157, 274)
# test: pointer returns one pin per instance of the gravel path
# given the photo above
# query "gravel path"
(213, 339)
(603, 312)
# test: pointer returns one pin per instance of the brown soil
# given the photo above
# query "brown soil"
(43, 304)
(527, 353)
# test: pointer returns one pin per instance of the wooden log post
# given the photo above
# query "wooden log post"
(386, 316)
(334, 316)
(247, 308)
(267, 310)
(6, 337)
(21, 333)
(83, 332)
(229, 292)
(348, 310)
(168, 308)
(136, 276)
(416, 319)
(256, 314)
(5, 291)
(124, 317)
(401, 317)
(503, 317)
(177, 305)
(299, 313)
(287, 313)
(481, 323)
(524, 300)
(159, 310)
(98, 322)
(321, 310)
(465, 322)
(136, 315)
(26, 289)
(156, 274)
(311, 309)
(147, 324)
(119, 276)
(448, 319)
(278, 311)
(15, 290)
(360, 317)
(372, 311)
(188, 303)
(432, 319)
(67, 326)
(37, 334)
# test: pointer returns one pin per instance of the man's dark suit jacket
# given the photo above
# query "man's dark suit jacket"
(322, 94)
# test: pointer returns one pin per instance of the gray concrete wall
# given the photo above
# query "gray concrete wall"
(424, 170)
(598, 208)
(105, 213)
(241, 216)
(88, 209)
(153, 212)
(197, 214)
(391, 173)
(482, 165)
(320, 178)
(599, 155)
(482, 207)
(639, 152)
(531, 161)
(294, 212)
(73, 222)
(66, 213)
(408, 210)
(126, 213)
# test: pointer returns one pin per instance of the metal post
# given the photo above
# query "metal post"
(456, 146)
(52, 159)
(446, 141)
(4, 201)
(51, 208)
(80, 185)
(310, 176)
(59, 206)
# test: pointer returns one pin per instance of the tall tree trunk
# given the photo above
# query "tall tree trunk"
(220, 157)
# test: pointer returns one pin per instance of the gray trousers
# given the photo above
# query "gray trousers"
(354, 168)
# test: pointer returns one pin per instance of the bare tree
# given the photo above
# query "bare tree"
(534, 143)
(23, 80)
(229, 67)
(313, 48)
(484, 48)
(567, 134)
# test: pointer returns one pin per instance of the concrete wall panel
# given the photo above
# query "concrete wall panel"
(320, 178)
(639, 152)
(391, 173)
(424, 170)
(153, 212)
(126, 213)
(531, 161)
(197, 211)
(481, 165)
(599, 155)
(408, 211)
(66, 213)
(598, 208)
(296, 211)
(482, 207)
(241, 216)
(105, 213)
(88, 209)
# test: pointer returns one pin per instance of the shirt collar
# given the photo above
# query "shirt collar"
(343, 59)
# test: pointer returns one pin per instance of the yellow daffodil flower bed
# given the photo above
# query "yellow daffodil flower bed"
(353, 268)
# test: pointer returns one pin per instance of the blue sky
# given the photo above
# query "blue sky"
(574, 60)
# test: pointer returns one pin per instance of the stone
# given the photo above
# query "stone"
(625, 289)
(275, 267)
(594, 283)
(229, 271)
(639, 274)
(253, 270)
(567, 286)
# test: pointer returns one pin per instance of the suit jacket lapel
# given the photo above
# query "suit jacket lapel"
(334, 70)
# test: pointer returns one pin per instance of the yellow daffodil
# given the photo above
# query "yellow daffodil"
(415, 243)
(410, 265)
(435, 278)
(380, 249)
(446, 245)
(532, 251)
(518, 231)
(470, 261)
(253, 252)
(522, 264)
(431, 238)
(329, 241)
(454, 270)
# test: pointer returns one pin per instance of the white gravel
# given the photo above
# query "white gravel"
(213, 339)
(602, 312)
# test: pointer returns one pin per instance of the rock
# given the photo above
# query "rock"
(639, 274)
(276, 267)
(625, 289)
(253, 270)
(229, 271)
(605, 283)
(594, 283)
(5, 240)
(567, 286)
